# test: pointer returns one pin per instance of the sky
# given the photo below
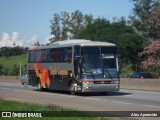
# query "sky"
(24, 22)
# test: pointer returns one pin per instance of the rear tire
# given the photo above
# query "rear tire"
(72, 88)
(39, 86)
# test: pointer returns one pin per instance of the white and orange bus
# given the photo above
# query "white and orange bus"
(74, 65)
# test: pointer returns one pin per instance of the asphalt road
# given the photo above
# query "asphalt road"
(124, 100)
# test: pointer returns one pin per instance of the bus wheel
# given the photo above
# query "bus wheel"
(72, 88)
(39, 86)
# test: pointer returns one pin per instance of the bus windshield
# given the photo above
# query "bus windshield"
(99, 62)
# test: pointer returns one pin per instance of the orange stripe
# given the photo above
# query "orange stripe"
(40, 67)
(36, 69)
(45, 75)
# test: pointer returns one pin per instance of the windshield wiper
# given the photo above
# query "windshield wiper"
(108, 73)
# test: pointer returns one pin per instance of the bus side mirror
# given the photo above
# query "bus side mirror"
(77, 57)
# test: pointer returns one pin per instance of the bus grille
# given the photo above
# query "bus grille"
(102, 82)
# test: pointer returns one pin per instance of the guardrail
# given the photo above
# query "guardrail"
(14, 79)
(140, 84)
(125, 83)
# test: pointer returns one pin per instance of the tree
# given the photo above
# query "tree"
(1, 69)
(65, 18)
(55, 28)
(6, 52)
(68, 25)
(151, 57)
(129, 43)
(154, 24)
(141, 18)
(76, 22)
(96, 31)
(146, 21)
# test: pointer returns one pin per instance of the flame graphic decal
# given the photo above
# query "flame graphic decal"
(43, 75)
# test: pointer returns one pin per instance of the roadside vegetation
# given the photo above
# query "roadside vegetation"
(10, 66)
(49, 110)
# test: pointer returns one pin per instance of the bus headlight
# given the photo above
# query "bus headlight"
(116, 81)
(87, 82)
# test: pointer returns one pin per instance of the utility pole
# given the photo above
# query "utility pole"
(20, 69)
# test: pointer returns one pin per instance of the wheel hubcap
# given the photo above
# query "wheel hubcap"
(39, 86)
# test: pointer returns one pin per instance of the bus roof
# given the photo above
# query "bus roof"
(68, 43)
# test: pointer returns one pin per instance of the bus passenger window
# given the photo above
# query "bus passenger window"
(50, 55)
(53, 55)
(58, 55)
(31, 56)
(70, 55)
(44, 55)
(66, 55)
(37, 56)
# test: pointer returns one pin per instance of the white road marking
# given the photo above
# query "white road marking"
(140, 91)
(92, 99)
(122, 102)
(66, 95)
(128, 95)
(151, 106)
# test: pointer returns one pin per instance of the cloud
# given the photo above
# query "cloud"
(47, 39)
(13, 40)
(31, 41)
(5, 41)
(14, 37)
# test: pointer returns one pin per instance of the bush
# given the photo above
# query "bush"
(14, 70)
(126, 70)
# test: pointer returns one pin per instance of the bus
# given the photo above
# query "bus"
(77, 66)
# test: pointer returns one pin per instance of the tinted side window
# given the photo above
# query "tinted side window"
(109, 50)
(37, 56)
(31, 56)
(51, 55)
(56, 55)
(34, 56)
(30, 59)
(61, 54)
(67, 54)
(44, 55)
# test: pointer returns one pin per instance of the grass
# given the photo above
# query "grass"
(6, 105)
(10, 61)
